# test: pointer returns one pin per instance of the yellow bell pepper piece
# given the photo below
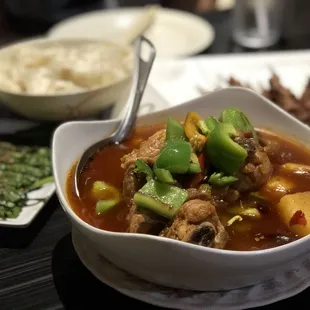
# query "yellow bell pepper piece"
(196, 139)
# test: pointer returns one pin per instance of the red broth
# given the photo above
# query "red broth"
(247, 235)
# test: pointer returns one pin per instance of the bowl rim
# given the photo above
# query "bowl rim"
(41, 40)
(136, 10)
(203, 250)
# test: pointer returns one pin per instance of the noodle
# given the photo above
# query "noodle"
(58, 69)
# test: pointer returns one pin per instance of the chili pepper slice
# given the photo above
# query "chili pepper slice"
(298, 218)
(191, 128)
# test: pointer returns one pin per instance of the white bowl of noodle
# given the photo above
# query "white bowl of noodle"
(61, 79)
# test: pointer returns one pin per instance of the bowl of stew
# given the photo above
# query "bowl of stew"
(213, 194)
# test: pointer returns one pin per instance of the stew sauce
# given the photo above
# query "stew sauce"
(247, 235)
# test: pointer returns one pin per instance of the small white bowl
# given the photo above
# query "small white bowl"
(61, 107)
(169, 262)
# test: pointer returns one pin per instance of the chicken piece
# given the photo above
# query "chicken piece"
(234, 82)
(132, 182)
(206, 5)
(197, 142)
(148, 151)
(271, 147)
(197, 222)
(302, 114)
(267, 94)
(305, 97)
(257, 168)
(140, 220)
(222, 196)
(202, 193)
(282, 95)
(143, 221)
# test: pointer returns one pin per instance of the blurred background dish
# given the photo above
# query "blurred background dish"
(257, 24)
(26, 182)
(174, 33)
(187, 5)
(179, 80)
(46, 71)
(59, 67)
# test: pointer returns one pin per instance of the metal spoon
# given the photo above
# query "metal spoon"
(141, 74)
(140, 25)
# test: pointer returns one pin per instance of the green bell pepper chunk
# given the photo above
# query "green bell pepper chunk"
(174, 157)
(194, 168)
(203, 127)
(103, 206)
(163, 199)
(225, 154)
(164, 176)
(211, 122)
(207, 125)
(143, 167)
(174, 130)
(194, 158)
(218, 179)
(238, 119)
(99, 186)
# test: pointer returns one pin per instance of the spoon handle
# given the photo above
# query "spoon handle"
(142, 72)
(140, 25)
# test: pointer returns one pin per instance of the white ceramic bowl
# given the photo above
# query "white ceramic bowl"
(169, 262)
(60, 107)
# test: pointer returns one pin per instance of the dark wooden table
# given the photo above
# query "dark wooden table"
(39, 268)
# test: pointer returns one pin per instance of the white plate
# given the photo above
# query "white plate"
(177, 80)
(223, 5)
(174, 33)
(28, 213)
(292, 282)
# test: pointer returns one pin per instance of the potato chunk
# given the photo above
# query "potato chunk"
(279, 184)
(294, 210)
(297, 168)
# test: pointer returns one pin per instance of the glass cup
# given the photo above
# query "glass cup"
(257, 23)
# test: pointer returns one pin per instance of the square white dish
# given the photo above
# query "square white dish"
(29, 212)
(177, 80)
